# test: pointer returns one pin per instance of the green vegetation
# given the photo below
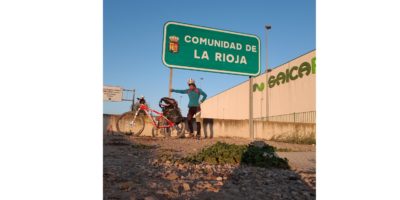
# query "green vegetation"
(283, 150)
(219, 153)
(296, 138)
(223, 153)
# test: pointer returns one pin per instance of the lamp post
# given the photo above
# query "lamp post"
(267, 27)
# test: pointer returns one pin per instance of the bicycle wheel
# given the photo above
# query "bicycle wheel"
(166, 132)
(154, 132)
(126, 125)
(161, 131)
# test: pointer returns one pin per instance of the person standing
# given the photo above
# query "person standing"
(194, 94)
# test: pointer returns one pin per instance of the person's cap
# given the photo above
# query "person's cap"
(191, 81)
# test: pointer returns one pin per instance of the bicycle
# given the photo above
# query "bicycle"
(133, 122)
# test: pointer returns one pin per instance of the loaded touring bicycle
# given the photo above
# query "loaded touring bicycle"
(168, 123)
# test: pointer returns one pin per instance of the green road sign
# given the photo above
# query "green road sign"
(199, 48)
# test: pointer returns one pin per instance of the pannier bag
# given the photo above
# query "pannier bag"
(170, 109)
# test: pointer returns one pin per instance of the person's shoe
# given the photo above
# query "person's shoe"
(205, 137)
(198, 136)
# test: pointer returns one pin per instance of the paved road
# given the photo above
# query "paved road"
(304, 164)
(304, 161)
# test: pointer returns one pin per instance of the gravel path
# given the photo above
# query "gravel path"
(141, 168)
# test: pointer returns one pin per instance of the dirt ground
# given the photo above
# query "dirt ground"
(141, 168)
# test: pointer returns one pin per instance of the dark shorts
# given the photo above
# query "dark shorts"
(192, 111)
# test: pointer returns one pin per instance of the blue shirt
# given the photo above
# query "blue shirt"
(193, 96)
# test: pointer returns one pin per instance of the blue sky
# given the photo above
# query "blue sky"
(133, 32)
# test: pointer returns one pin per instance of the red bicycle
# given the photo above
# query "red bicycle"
(133, 122)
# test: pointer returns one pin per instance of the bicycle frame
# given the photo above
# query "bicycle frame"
(146, 109)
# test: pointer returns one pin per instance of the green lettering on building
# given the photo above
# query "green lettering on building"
(280, 77)
(271, 81)
(292, 73)
(287, 75)
(258, 87)
(304, 67)
(313, 65)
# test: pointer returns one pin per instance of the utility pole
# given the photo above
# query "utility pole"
(267, 27)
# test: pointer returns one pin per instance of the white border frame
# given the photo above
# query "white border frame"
(205, 69)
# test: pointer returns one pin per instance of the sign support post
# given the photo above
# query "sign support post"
(170, 82)
(251, 125)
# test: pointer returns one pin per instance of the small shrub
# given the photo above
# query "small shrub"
(264, 157)
(219, 153)
(295, 138)
(223, 153)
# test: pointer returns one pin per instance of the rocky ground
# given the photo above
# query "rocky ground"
(145, 168)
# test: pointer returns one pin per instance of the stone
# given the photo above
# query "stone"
(126, 186)
(150, 198)
(220, 183)
(219, 178)
(171, 176)
(160, 192)
(213, 189)
(152, 185)
(186, 186)
(155, 162)
(207, 185)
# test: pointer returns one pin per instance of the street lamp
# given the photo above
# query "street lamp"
(267, 27)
